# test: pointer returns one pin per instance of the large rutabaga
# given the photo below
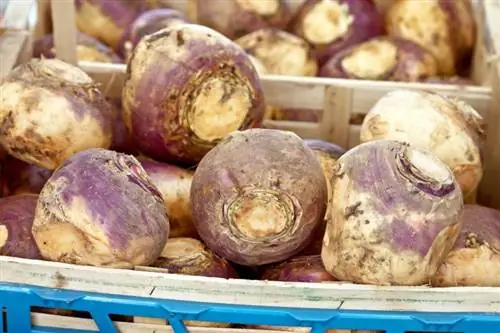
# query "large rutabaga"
(395, 214)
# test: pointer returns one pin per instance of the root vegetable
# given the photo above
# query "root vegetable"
(258, 196)
(152, 21)
(18, 177)
(382, 58)
(446, 28)
(174, 185)
(209, 82)
(235, 18)
(395, 214)
(123, 142)
(475, 258)
(280, 52)
(298, 269)
(448, 128)
(189, 256)
(333, 25)
(50, 110)
(87, 49)
(16, 219)
(108, 21)
(100, 208)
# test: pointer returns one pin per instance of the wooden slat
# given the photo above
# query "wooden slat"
(65, 31)
(334, 124)
(12, 44)
(16, 16)
(235, 291)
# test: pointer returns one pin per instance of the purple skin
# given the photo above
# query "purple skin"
(155, 124)
(326, 147)
(174, 184)
(123, 142)
(116, 17)
(16, 214)
(482, 221)
(45, 47)
(405, 207)
(298, 269)
(233, 21)
(199, 261)
(409, 55)
(107, 182)
(230, 181)
(367, 23)
(152, 21)
(20, 177)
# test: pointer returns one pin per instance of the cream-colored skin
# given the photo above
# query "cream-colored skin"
(432, 123)
(4, 236)
(380, 52)
(264, 8)
(45, 131)
(327, 21)
(280, 52)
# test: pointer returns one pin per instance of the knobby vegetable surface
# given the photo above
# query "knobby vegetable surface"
(280, 52)
(16, 219)
(448, 128)
(475, 258)
(235, 18)
(382, 58)
(333, 25)
(210, 84)
(446, 28)
(174, 185)
(87, 49)
(100, 208)
(17, 177)
(395, 214)
(50, 110)
(298, 269)
(258, 196)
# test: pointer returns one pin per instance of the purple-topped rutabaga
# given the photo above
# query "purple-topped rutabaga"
(87, 49)
(108, 21)
(50, 110)
(280, 52)
(333, 25)
(298, 269)
(235, 18)
(395, 214)
(174, 185)
(188, 86)
(16, 219)
(152, 21)
(100, 208)
(382, 58)
(451, 36)
(475, 258)
(258, 196)
(441, 125)
(183, 255)
(17, 177)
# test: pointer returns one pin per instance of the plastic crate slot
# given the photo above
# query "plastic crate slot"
(3, 322)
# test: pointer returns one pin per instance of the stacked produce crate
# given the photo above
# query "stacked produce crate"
(258, 230)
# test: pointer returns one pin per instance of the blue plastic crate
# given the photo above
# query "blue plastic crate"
(177, 298)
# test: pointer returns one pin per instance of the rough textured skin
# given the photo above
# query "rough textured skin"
(270, 166)
(152, 21)
(100, 208)
(395, 215)
(298, 269)
(382, 58)
(280, 52)
(50, 110)
(361, 22)
(108, 21)
(475, 258)
(164, 78)
(191, 257)
(88, 49)
(16, 219)
(174, 184)
(328, 154)
(445, 27)
(447, 128)
(17, 177)
(236, 18)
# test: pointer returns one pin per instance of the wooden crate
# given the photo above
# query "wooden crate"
(15, 34)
